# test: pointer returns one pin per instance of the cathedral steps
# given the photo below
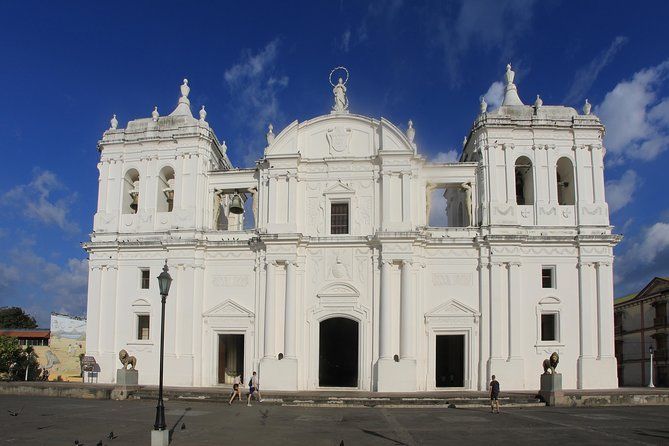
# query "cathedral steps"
(350, 399)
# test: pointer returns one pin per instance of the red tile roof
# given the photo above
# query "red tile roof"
(25, 333)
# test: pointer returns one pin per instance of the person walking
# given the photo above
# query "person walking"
(236, 389)
(254, 388)
(494, 395)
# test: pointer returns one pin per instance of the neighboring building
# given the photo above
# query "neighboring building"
(641, 323)
(35, 337)
(335, 275)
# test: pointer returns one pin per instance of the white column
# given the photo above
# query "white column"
(597, 173)
(586, 315)
(385, 200)
(108, 311)
(93, 310)
(385, 315)
(407, 314)
(484, 302)
(290, 322)
(270, 348)
(406, 198)
(515, 310)
(292, 198)
(605, 314)
(510, 175)
(496, 334)
(272, 200)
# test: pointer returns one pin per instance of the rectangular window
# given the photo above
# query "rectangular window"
(547, 277)
(549, 327)
(146, 278)
(143, 327)
(339, 218)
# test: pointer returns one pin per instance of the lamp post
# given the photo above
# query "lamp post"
(164, 282)
(651, 351)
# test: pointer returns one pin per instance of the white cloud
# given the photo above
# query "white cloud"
(41, 286)
(620, 192)
(450, 156)
(345, 42)
(646, 256)
(35, 200)
(495, 95)
(486, 24)
(254, 86)
(637, 121)
(585, 77)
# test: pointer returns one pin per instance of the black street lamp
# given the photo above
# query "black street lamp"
(164, 282)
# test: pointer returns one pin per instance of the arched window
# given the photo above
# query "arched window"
(565, 182)
(524, 181)
(165, 199)
(130, 192)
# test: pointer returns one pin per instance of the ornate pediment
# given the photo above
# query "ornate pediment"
(549, 300)
(452, 308)
(339, 290)
(228, 309)
(338, 188)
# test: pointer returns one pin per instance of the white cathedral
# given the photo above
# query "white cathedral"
(320, 267)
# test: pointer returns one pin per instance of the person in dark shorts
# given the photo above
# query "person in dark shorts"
(494, 395)
(254, 389)
(236, 389)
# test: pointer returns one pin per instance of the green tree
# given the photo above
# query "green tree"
(10, 353)
(15, 317)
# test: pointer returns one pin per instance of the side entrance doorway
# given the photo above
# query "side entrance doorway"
(450, 361)
(338, 353)
(230, 357)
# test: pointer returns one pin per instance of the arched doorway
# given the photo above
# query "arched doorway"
(338, 353)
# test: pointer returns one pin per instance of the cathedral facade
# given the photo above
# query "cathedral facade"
(322, 267)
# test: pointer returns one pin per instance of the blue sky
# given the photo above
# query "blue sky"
(66, 69)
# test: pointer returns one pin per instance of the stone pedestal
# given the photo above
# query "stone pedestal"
(125, 377)
(392, 376)
(160, 438)
(551, 388)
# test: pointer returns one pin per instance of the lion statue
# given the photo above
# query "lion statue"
(551, 364)
(127, 360)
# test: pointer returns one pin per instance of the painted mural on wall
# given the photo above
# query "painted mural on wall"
(67, 343)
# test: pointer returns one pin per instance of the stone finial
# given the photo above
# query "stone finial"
(586, 107)
(510, 75)
(185, 90)
(270, 134)
(203, 114)
(411, 132)
(538, 103)
(183, 107)
(113, 122)
(510, 91)
(483, 106)
(464, 141)
(154, 114)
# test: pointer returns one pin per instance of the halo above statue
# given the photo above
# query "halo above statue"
(334, 70)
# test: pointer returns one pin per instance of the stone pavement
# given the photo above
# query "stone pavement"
(61, 421)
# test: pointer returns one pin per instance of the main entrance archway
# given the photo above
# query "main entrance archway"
(338, 353)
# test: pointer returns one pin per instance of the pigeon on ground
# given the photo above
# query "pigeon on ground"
(183, 426)
(99, 443)
(111, 435)
(14, 414)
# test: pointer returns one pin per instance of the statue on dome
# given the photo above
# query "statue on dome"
(339, 91)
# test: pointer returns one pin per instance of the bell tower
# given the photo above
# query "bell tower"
(153, 173)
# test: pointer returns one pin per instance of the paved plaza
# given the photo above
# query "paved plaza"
(61, 421)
